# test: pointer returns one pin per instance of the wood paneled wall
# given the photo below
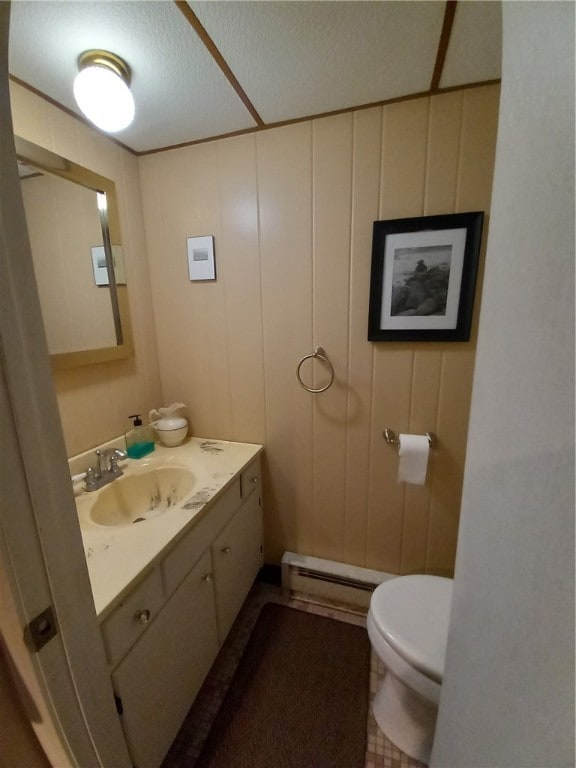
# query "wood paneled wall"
(291, 210)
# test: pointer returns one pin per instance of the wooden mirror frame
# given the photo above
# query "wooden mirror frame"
(33, 155)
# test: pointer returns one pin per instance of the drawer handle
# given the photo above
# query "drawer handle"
(206, 577)
(225, 550)
(142, 616)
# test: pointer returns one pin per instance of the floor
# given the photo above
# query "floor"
(380, 752)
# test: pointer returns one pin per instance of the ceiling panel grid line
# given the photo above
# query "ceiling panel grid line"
(196, 25)
(207, 70)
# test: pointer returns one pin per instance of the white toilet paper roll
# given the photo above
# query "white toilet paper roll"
(413, 452)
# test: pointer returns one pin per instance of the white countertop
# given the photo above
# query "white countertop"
(118, 555)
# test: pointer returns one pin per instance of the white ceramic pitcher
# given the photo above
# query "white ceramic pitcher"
(170, 424)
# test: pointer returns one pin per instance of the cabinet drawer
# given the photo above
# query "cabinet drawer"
(123, 627)
(250, 479)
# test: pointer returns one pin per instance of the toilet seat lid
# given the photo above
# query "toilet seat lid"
(412, 615)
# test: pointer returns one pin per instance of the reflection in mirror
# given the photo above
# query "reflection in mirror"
(77, 313)
(73, 228)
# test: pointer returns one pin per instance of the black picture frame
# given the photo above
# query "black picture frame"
(423, 277)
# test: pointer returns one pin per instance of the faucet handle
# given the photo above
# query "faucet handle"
(90, 478)
(115, 456)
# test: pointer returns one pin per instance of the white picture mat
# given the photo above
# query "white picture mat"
(100, 268)
(454, 238)
(201, 264)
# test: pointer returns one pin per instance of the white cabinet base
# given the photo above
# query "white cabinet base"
(187, 618)
(160, 677)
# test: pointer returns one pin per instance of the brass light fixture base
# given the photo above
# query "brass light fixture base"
(106, 59)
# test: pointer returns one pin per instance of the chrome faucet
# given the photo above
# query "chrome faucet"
(106, 468)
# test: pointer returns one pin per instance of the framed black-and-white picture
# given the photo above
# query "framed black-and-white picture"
(201, 264)
(423, 277)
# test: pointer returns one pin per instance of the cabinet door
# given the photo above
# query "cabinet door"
(237, 558)
(159, 678)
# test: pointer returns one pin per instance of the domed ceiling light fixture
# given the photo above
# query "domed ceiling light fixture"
(102, 90)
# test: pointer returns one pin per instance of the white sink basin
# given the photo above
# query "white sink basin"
(140, 497)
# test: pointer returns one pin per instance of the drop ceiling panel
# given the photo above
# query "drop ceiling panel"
(295, 59)
(475, 50)
(180, 93)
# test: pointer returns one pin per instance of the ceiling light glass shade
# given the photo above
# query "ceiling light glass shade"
(103, 95)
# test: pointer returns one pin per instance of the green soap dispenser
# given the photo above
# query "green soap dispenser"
(139, 440)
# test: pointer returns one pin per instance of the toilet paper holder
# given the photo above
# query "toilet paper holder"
(392, 439)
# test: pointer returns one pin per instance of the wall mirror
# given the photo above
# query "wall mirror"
(74, 230)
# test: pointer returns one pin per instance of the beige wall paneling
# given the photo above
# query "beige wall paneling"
(182, 200)
(50, 269)
(391, 399)
(97, 152)
(423, 408)
(446, 481)
(31, 117)
(94, 400)
(208, 300)
(300, 279)
(170, 308)
(238, 261)
(331, 205)
(367, 143)
(440, 184)
(473, 192)
(477, 156)
(404, 150)
(284, 157)
(146, 383)
(63, 135)
(442, 162)
(404, 144)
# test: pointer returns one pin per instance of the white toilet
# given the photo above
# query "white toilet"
(408, 629)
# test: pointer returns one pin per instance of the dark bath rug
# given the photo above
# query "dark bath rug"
(298, 699)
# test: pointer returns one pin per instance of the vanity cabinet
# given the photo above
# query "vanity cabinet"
(160, 677)
(160, 654)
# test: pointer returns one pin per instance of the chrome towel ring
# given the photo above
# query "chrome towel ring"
(321, 355)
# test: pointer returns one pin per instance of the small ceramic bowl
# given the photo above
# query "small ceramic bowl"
(171, 432)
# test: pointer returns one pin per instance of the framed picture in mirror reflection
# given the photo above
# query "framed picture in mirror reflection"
(100, 268)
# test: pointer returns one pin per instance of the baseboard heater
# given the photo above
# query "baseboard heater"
(311, 578)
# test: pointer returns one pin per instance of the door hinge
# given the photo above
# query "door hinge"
(41, 630)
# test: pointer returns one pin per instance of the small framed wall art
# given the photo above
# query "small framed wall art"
(100, 267)
(201, 264)
(423, 277)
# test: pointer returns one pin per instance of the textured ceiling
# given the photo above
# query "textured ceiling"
(206, 69)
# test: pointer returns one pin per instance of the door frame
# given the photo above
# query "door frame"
(67, 682)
